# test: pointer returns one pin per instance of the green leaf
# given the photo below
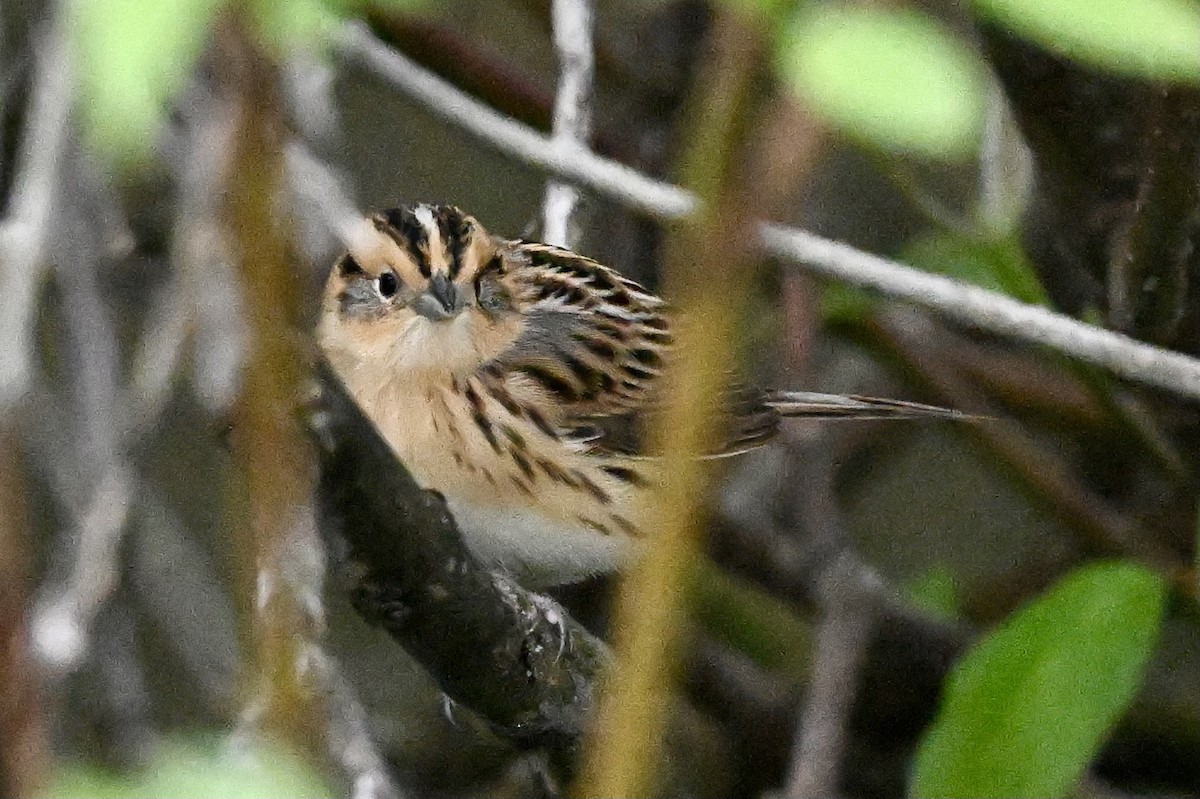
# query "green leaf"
(764, 12)
(996, 264)
(1027, 708)
(186, 769)
(287, 25)
(750, 621)
(935, 592)
(890, 77)
(132, 55)
(841, 303)
(1149, 38)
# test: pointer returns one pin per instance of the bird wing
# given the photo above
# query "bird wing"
(594, 342)
(595, 345)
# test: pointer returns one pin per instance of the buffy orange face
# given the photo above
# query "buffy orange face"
(425, 287)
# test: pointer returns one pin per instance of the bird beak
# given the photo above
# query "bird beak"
(441, 300)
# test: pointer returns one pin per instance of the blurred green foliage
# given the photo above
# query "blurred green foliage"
(997, 263)
(891, 77)
(1027, 708)
(751, 621)
(935, 592)
(1153, 39)
(897, 80)
(132, 56)
(184, 769)
(993, 262)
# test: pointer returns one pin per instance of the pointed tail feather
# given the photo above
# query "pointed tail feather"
(812, 405)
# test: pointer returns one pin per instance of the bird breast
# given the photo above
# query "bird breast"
(525, 500)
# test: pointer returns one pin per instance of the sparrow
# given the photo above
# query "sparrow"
(518, 379)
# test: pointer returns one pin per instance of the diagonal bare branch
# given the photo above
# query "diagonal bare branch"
(976, 307)
(515, 658)
(627, 186)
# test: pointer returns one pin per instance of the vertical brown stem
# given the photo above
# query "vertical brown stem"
(789, 144)
(23, 748)
(274, 461)
(708, 270)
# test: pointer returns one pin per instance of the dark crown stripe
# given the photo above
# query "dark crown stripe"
(455, 233)
(349, 266)
(404, 228)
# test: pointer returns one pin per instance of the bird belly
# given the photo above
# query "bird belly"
(538, 550)
(549, 517)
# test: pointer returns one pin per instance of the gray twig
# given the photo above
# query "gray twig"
(63, 617)
(582, 166)
(347, 732)
(23, 231)
(851, 597)
(976, 307)
(326, 218)
(347, 739)
(1005, 166)
(990, 311)
(65, 612)
(849, 611)
(319, 198)
(572, 109)
(198, 301)
(320, 206)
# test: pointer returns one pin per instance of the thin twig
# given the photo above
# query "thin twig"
(62, 621)
(852, 599)
(325, 217)
(279, 556)
(322, 213)
(628, 186)
(1005, 167)
(66, 611)
(572, 109)
(23, 232)
(347, 733)
(842, 640)
(318, 195)
(204, 255)
(979, 308)
(710, 267)
(198, 302)
(990, 311)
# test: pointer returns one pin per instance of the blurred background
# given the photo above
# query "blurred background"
(1006, 608)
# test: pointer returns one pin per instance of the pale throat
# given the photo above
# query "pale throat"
(395, 355)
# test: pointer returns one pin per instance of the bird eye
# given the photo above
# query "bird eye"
(386, 284)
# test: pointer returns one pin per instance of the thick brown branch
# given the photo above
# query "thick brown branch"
(513, 657)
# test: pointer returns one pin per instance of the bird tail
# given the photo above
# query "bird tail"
(812, 405)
